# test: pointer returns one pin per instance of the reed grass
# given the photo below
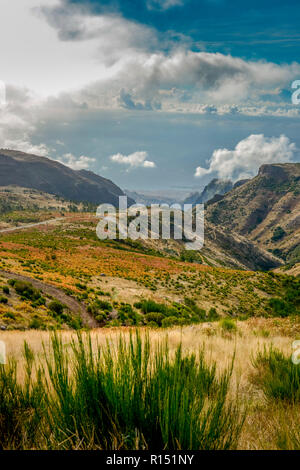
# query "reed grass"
(277, 375)
(126, 395)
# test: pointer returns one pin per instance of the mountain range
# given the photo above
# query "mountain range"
(52, 177)
(253, 224)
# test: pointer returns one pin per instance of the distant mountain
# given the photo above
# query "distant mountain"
(40, 173)
(216, 186)
(192, 198)
(148, 199)
(265, 209)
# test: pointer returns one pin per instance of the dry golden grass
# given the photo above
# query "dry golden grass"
(263, 418)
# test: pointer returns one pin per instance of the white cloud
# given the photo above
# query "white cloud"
(248, 155)
(134, 160)
(27, 147)
(81, 163)
(36, 57)
(184, 80)
(76, 62)
(115, 63)
(111, 35)
(164, 4)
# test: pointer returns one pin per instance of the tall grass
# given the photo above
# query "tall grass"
(279, 379)
(277, 375)
(131, 395)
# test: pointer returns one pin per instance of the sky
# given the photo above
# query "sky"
(153, 94)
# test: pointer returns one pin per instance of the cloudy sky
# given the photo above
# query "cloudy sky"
(153, 94)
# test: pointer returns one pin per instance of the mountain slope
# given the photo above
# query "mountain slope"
(221, 248)
(43, 174)
(265, 209)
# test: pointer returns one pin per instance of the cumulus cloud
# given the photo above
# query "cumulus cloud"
(81, 163)
(138, 70)
(27, 147)
(188, 81)
(134, 160)
(113, 36)
(130, 67)
(126, 101)
(19, 119)
(222, 78)
(248, 155)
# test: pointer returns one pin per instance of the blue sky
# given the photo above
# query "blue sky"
(256, 29)
(153, 94)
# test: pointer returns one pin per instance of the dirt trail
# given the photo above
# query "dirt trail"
(36, 224)
(73, 304)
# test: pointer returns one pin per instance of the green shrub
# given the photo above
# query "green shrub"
(36, 324)
(101, 317)
(227, 324)
(40, 301)
(56, 307)
(81, 286)
(128, 316)
(148, 306)
(93, 309)
(153, 324)
(5, 290)
(170, 321)
(3, 300)
(280, 307)
(103, 305)
(154, 317)
(20, 405)
(26, 290)
(278, 234)
(75, 323)
(213, 315)
(128, 396)
(278, 377)
(10, 315)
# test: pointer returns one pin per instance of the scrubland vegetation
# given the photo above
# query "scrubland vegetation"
(127, 285)
(188, 356)
(188, 388)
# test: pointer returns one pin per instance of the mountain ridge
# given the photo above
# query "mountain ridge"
(43, 174)
(266, 210)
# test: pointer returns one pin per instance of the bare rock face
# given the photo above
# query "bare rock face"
(43, 174)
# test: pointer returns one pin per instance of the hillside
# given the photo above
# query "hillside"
(21, 206)
(43, 174)
(111, 279)
(266, 210)
(221, 248)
